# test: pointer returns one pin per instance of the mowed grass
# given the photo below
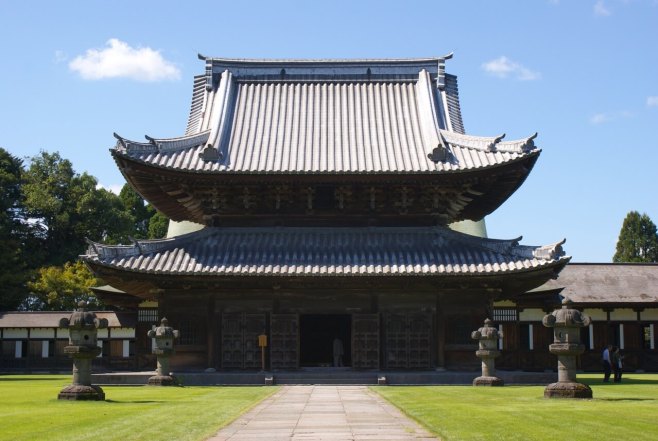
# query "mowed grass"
(625, 411)
(29, 410)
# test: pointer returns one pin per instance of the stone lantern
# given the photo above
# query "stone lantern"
(566, 323)
(83, 327)
(487, 337)
(163, 347)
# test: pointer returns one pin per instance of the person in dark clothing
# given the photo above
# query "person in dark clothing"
(607, 363)
(616, 364)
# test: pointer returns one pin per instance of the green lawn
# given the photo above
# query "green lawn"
(29, 410)
(626, 411)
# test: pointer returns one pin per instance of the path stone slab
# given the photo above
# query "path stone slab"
(331, 413)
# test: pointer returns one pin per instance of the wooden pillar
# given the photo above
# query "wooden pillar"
(211, 332)
(440, 333)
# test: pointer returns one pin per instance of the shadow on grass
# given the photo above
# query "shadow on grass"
(9, 378)
(625, 399)
(626, 381)
(135, 401)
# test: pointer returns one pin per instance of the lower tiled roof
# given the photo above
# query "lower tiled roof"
(354, 251)
(586, 283)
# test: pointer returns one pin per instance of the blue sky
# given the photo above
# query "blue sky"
(582, 73)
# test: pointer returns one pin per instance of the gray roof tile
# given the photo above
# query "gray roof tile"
(254, 120)
(325, 251)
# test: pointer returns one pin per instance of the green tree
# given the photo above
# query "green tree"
(15, 262)
(68, 207)
(60, 288)
(158, 225)
(638, 240)
(141, 212)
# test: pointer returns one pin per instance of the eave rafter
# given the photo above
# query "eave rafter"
(453, 196)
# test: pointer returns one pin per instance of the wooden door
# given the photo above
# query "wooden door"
(232, 342)
(284, 341)
(419, 337)
(395, 328)
(365, 341)
(408, 340)
(240, 340)
(254, 325)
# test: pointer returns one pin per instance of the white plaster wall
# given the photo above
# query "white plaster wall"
(123, 333)
(126, 348)
(649, 314)
(504, 304)
(62, 334)
(597, 315)
(531, 315)
(625, 314)
(15, 333)
(102, 333)
(42, 333)
(44, 348)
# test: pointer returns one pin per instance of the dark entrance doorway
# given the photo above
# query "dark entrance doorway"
(317, 334)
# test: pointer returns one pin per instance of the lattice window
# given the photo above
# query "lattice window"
(147, 315)
(504, 315)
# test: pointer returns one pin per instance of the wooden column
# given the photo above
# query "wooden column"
(211, 332)
(440, 333)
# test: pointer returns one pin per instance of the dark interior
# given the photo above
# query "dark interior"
(317, 334)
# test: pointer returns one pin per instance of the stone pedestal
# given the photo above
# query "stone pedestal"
(487, 337)
(566, 323)
(163, 347)
(83, 328)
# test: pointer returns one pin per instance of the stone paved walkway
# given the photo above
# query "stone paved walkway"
(323, 413)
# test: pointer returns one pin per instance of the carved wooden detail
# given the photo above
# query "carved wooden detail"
(284, 341)
(407, 340)
(365, 341)
(240, 333)
(403, 199)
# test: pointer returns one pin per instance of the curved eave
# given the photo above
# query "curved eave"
(486, 199)
(553, 266)
(521, 157)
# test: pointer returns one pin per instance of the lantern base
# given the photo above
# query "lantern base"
(79, 392)
(162, 380)
(567, 390)
(488, 381)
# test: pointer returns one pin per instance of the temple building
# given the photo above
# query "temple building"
(315, 200)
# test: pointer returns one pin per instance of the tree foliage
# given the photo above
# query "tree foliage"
(142, 213)
(15, 262)
(47, 211)
(68, 208)
(158, 226)
(638, 240)
(60, 288)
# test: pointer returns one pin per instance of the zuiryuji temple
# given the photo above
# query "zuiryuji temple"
(317, 200)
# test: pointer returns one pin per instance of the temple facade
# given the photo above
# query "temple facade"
(323, 201)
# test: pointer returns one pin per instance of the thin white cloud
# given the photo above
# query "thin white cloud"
(113, 188)
(652, 101)
(119, 60)
(601, 10)
(503, 67)
(60, 56)
(603, 118)
(599, 118)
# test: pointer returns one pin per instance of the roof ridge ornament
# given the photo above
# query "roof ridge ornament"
(210, 153)
(121, 140)
(441, 77)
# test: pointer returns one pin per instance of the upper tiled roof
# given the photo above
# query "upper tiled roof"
(286, 251)
(326, 116)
